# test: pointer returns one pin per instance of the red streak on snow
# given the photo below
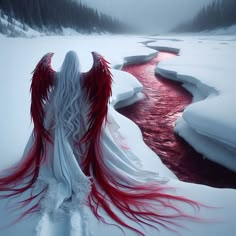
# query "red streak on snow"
(164, 103)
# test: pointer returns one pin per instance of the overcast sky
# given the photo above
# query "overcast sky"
(151, 16)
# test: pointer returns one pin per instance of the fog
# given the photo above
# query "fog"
(149, 16)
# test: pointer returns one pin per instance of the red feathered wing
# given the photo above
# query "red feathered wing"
(42, 82)
(108, 193)
(97, 84)
(23, 176)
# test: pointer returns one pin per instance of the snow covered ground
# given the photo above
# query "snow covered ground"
(206, 64)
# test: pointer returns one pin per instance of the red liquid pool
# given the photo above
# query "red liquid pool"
(156, 114)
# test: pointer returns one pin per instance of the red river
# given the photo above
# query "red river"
(164, 102)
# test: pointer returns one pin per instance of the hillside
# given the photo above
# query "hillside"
(218, 14)
(54, 16)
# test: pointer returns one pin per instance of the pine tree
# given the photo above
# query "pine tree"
(219, 13)
(55, 14)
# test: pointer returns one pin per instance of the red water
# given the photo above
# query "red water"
(165, 101)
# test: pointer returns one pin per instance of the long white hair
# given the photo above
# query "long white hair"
(67, 96)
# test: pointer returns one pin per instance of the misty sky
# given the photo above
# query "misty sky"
(151, 16)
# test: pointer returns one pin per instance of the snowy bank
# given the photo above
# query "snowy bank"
(206, 66)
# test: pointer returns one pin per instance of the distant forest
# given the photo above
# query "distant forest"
(218, 14)
(52, 15)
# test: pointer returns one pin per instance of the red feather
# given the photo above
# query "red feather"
(25, 173)
(42, 82)
(98, 89)
(132, 201)
(98, 86)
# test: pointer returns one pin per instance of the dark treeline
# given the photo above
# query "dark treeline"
(220, 13)
(51, 15)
